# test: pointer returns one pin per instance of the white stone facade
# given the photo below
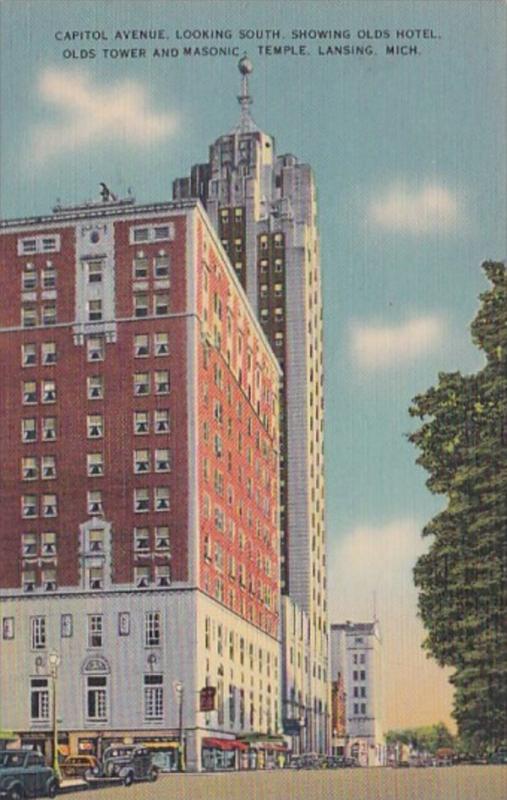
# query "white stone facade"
(121, 655)
(356, 655)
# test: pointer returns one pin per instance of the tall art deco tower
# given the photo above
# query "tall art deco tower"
(263, 207)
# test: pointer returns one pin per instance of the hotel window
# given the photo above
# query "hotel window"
(363, 708)
(161, 267)
(95, 426)
(161, 305)
(95, 630)
(28, 430)
(278, 289)
(96, 697)
(263, 241)
(263, 264)
(28, 355)
(48, 543)
(152, 629)
(161, 232)
(161, 344)
(49, 277)
(29, 506)
(94, 502)
(162, 575)
(141, 345)
(278, 265)
(48, 429)
(141, 383)
(38, 633)
(48, 391)
(238, 213)
(39, 699)
(141, 500)
(162, 420)
(29, 470)
(49, 353)
(162, 384)
(141, 539)
(264, 314)
(29, 392)
(162, 460)
(29, 278)
(141, 422)
(28, 317)
(140, 305)
(48, 467)
(162, 538)
(278, 314)
(29, 544)
(49, 244)
(49, 579)
(278, 339)
(264, 289)
(94, 310)
(95, 387)
(153, 697)
(96, 540)
(238, 244)
(363, 675)
(139, 234)
(218, 445)
(141, 461)
(96, 578)
(278, 239)
(28, 580)
(26, 246)
(94, 464)
(95, 349)
(162, 502)
(142, 577)
(95, 269)
(140, 265)
(49, 505)
(49, 314)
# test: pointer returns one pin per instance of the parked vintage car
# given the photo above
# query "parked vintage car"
(499, 756)
(123, 763)
(77, 766)
(24, 773)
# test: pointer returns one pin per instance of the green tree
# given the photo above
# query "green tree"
(427, 738)
(462, 579)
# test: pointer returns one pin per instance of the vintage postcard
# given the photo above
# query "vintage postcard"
(253, 453)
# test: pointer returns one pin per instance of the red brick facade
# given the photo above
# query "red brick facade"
(143, 393)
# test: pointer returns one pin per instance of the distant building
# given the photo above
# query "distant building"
(139, 513)
(356, 672)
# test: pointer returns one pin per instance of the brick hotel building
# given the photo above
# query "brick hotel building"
(139, 482)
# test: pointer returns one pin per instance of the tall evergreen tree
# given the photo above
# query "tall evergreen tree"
(462, 579)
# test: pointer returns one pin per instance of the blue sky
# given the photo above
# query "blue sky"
(409, 157)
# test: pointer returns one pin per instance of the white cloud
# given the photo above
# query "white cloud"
(91, 113)
(420, 210)
(374, 559)
(377, 346)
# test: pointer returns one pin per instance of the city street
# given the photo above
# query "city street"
(445, 783)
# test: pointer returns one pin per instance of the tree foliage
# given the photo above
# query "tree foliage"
(424, 739)
(462, 579)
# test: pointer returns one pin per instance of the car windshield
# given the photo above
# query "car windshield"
(12, 759)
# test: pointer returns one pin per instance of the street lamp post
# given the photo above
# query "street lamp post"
(179, 690)
(54, 662)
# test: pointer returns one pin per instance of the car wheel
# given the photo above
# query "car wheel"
(52, 788)
(153, 775)
(128, 779)
(16, 793)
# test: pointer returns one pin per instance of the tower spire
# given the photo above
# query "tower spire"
(246, 122)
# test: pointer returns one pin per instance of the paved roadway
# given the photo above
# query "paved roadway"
(432, 783)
